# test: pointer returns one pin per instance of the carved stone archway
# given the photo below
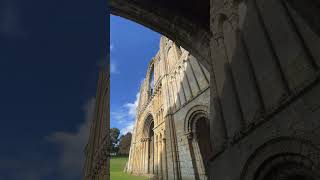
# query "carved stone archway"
(187, 22)
(184, 22)
(283, 158)
(261, 82)
(198, 133)
(149, 141)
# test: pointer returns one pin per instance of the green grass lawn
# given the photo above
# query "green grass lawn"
(116, 170)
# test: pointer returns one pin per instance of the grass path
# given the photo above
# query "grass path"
(116, 170)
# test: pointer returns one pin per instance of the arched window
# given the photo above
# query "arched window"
(150, 155)
(200, 147)
(283, 158)
(198, 134)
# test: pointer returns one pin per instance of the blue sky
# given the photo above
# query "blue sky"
(132, 47)
(50, 53)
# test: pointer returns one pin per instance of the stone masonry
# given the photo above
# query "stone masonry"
(96, 165)
(263, 97)
(173, 100)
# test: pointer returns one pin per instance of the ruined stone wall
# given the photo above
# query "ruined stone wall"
(265, 61)
(96, 165)
(181, 86)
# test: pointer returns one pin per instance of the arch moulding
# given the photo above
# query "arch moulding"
(281, 150)
(184, 32)
(146, 125)
(194, 114)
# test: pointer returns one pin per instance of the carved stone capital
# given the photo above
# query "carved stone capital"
(144, 139)
(189, 135)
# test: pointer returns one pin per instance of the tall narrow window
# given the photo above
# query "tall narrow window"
(200, 147)
(151, 80)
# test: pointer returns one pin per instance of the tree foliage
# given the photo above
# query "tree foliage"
(114, 139)
(124, 144)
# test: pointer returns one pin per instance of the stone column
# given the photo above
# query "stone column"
(141, 157)
(129, 168)
(137, 159)
(147, 155)
(189, 137)
(165, 168)
(175, 85)
(155, 161)
(199, 160)
(217, 127)
(160, 158)
(172, 94)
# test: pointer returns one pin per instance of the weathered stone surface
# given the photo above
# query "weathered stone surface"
(263, 60)
(96, 165)
(162, 120)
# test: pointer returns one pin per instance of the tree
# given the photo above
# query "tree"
(124, 145)
(114, 135)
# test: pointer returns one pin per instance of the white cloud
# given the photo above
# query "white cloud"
(72, 144)
(128, 128)
(142, 81)
(126, 115)
(132, 107)
(120, 116)
(113, 65)
(111, 47)
(114, 68)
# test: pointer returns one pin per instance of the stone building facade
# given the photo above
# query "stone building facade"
(96, 165)
(171, 134)
(264, 64)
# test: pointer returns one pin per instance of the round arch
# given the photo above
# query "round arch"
(285, 158)
(197, 130)
(174, 20)
(187, 22)
(148, 137)
(148, 122)
(194, 114)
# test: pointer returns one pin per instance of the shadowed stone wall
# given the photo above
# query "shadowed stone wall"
(263, 60)
(266, 68)
(96, 165)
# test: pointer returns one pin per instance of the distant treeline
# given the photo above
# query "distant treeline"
(120, 146)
